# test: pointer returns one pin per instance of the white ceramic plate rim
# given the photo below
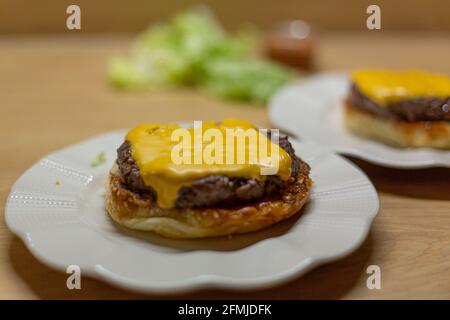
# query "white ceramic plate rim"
(196, 282)
(372, 151)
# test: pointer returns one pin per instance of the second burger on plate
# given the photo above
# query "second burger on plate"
(402, 109)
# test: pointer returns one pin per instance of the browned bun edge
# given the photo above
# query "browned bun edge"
(422, 134)
(132, 211)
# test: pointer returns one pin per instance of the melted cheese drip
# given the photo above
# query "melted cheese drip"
(385, 87)
(151, 147)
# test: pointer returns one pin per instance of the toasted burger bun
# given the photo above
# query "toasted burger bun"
(423, 134)
(132, 211)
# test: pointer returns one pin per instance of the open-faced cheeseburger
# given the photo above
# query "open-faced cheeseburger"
(404, 109)
(150, 190)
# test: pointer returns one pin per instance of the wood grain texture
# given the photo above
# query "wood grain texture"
(53, 92)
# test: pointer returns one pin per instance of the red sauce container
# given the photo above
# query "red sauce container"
(291, 43)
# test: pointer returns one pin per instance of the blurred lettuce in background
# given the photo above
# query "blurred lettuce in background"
(193, 49)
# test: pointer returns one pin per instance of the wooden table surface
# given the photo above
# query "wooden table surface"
(53, 93)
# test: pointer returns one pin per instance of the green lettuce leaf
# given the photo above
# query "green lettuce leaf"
(193, 49)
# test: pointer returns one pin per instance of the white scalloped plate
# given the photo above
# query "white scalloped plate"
(64, 223)
(312, 110)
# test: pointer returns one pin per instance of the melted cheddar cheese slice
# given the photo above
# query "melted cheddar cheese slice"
(385, 87)
(158, 148)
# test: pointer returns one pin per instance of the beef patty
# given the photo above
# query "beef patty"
(212, 190)
(410, 110)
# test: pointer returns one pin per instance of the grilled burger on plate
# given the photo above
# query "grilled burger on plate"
(148, 190)
(402, 109)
